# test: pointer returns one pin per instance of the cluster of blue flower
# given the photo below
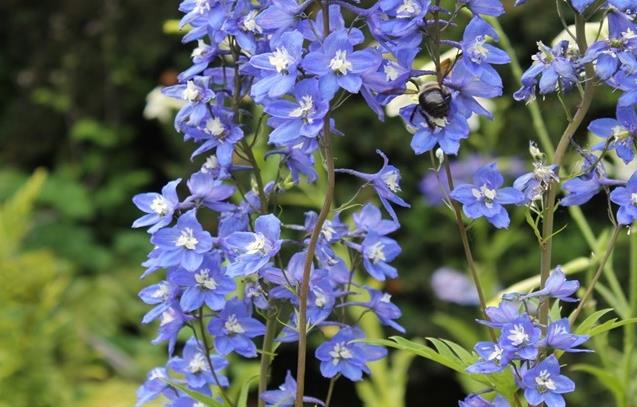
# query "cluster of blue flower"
(300, 62)
(231, 287)
(527, 347)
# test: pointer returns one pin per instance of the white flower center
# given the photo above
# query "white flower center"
(187, 239)
(306, 107)
(258, 245)
(191, 93)
(386, 298)
(376, 253)
(559, 330)
(391, 73)
(620, 132)
(162, 291)
(340, 352)
(201, 6)
(496, 354)
(518, 335)
(233, 326)
(250, 22)
(340, 63)
(203, 278)
(392, 179)
(478, 52)
(485, 194)
(408, 8)
(280, 60)
(197, 363)
(156, 373)
(211, 163)
(328, 231)
(214, 127)
(633, 198)
(160, 206)
(200, 50)
(320, 298)
(167, 317)
(544, 382)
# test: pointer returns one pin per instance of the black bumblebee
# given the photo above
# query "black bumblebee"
(433, 103)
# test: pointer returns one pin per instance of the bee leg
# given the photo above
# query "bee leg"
(413, 113)
(431, 124)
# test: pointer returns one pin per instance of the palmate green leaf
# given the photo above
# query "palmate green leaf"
(607, 379)
(453, 356)
(208, 401)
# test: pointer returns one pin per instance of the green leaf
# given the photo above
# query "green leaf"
(208, 401)
(590, 321)
(607, 379)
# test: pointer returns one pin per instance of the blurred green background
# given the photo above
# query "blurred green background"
(75, 147)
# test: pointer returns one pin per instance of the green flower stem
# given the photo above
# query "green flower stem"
(464, 237)
(266, 354)
(204, 340)
(316, 232)
(597, 275)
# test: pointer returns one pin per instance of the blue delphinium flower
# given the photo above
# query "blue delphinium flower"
(446, 134)
(156, 383)
(341, 355)
(207, 191)
(369, 219)
(543, 383)
(338, 65)
(485, 197)
(559, 336)
(557, 286)
(377, 251)
(196, 369)
(552, 69)
(197, 95)
(302, 117)
(206, 285)
(386, 182)
(286, 394)
(279, 67)
(406, 16)
(477, 53)
(506, 312)
(626, 198)
(159, 207)
(617, 51)
(233, 329)
(487, 7)
(493, 358)
(380, 303)
(522, 337)
(535, 183)
(162, 295)
(184, 244)
(475, 400)
(620, 133)
(254, 249)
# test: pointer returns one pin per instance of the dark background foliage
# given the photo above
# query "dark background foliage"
(74, 76)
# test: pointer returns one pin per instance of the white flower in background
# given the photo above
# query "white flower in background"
(160, 106)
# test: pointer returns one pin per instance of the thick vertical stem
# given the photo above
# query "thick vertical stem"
(309, 259)
(316, 232)
(546, 245)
